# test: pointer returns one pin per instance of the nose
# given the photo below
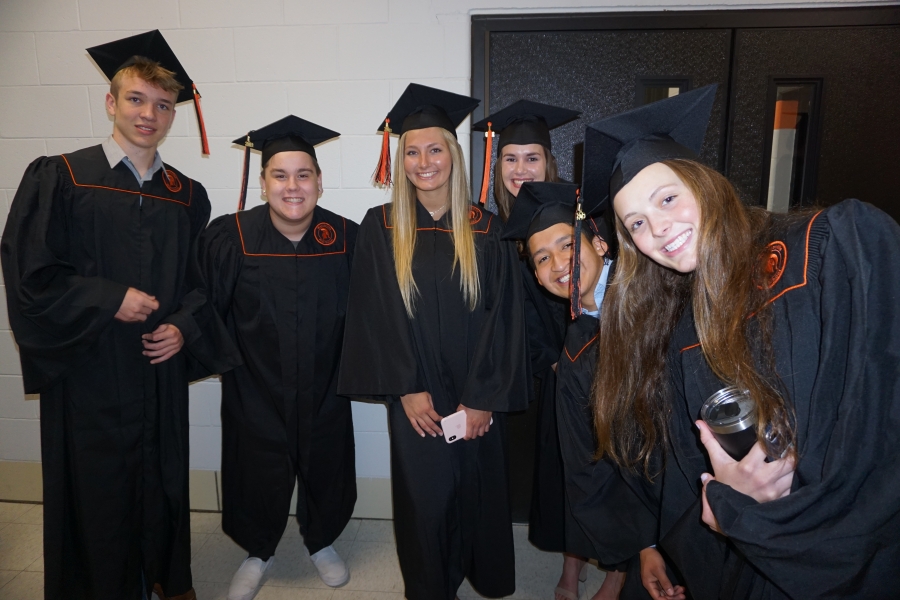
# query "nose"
(659, 226)
(520, 167)
(560, 261)
(423, 159)
(148, 112)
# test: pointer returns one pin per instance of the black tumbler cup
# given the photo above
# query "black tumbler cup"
(731, 415)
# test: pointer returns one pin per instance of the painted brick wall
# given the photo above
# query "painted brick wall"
(340, 63)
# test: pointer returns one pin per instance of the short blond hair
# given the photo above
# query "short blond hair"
(151, 72)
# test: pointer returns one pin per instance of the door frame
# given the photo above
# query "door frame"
(484, 25)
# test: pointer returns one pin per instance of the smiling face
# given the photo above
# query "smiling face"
(551, 254)
(662, 216)
(142, 114)
(520, 163)
(427, 161)
(292, 188)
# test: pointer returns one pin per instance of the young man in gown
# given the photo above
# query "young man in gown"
(107, 305)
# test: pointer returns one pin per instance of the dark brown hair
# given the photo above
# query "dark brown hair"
(504, 198)
(631, 392)
(151, 72)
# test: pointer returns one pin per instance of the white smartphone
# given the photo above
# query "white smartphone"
(454, 426)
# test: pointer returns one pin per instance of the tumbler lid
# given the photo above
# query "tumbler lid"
(729, 410)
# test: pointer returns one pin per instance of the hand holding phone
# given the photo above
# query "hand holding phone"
(454, 426)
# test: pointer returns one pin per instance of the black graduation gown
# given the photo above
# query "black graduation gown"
(546, 319)
(836, 341)
(451, 502)
(282, 419)
(114, 428)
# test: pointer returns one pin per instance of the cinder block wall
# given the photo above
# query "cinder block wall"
(339, 63)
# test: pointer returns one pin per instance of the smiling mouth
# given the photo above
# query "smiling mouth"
(427, 175)
(678, 242)
(145, 129)
(519, 182)
(564, 280)
(293, 200)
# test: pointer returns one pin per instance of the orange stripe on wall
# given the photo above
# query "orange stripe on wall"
(786, 114)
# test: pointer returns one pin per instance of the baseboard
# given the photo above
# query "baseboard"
(21, 482)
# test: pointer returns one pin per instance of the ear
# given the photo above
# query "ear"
(110, 104)
(319, 183)
(600, 245)
(262, 184)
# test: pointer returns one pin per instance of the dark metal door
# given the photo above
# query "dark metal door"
(856, 129)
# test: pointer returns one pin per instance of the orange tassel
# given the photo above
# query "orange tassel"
(382, 175)
(488, 151)
(199, 109)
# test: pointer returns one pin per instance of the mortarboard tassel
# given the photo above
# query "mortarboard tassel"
(575, 279)
(199, 110)
(243, 199)
(382, 175)
(488, 151)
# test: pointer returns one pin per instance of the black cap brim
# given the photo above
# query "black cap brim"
(421, 106)
(114, 56)
(526, 122)
(619, 147)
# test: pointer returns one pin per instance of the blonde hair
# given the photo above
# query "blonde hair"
(403, 217)
(151, 72)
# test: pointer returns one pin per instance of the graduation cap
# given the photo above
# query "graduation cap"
(523, 122)
(285, 135)
(420, 107)
(541, 205)
(115, 56)
(619, 147)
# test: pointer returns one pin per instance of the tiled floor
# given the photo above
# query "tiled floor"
(366, 545)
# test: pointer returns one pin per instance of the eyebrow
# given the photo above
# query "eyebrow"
(426, 147)
(556, 242)
(650, 197)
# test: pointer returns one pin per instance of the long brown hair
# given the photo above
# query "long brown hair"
(403, 217)
(631, 389)
(504, 198)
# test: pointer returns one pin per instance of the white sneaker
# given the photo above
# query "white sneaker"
(332, 569)
(245, 582)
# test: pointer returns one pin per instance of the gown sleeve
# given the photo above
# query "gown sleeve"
(838, 532)
(544, 344)
(56, 314)
(500, 374)
(378, 358)
(207, 344)
(615, 520)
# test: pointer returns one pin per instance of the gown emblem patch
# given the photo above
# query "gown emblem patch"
(774, 262)
(171, 181)
(474, 215)
(325, 234)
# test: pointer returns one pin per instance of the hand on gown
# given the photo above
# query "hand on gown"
(654, 578)
(753, 476)
(136, 306)
(420, 411)
(162, 344)
(478, 422)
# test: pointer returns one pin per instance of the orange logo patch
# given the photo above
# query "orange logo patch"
(170, 179)
(325, 234)
(774, 262)
(474, 215)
